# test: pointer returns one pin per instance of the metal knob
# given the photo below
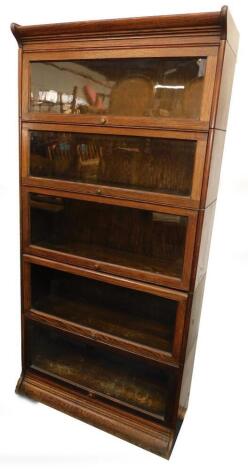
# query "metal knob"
(104, 120)
(99, 191)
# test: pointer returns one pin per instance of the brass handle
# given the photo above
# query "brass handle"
(98, 191)
(104, 120)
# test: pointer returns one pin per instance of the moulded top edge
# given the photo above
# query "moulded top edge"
(197, 23)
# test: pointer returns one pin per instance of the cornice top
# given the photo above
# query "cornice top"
(164, 25)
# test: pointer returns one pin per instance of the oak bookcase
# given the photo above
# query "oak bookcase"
(122, 127)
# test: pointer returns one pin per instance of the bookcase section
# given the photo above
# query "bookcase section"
(122, 129)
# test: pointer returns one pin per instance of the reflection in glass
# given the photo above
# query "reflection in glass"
(125, 380)
(136, 316)
(135, 238)
(152, 87)
(152, 164)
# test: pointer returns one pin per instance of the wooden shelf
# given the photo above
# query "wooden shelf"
(152, 332)
(138, 349)
(168, 265)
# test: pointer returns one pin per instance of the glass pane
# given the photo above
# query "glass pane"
(135, 238)
(129, 314)
(122, 379)
(152, 87)
(161, 165)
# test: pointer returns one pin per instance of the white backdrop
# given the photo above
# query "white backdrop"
(214, 433)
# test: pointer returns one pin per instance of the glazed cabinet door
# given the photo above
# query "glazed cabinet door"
(140, 241)
(147, 389)
(154, 166)
(142, 319)
(168, 87)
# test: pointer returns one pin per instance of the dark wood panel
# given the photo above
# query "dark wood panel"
(195, 315)
(202, 249)
(191, 328)
(217, 138)
(192, 334)
(186, 383)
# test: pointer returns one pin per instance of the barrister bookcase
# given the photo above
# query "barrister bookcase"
(122, 127)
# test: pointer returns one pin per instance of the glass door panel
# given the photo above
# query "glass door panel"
(149, 241)
(127, 381)
(142, 163)
(125, 313)
(133, 87)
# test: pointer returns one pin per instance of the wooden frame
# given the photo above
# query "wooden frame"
(140, 431)
(146, 276)
(110, 121)
(103, 337)
(191, 201)
(212, 35)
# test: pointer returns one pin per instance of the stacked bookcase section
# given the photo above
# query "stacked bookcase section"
(122, 126)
